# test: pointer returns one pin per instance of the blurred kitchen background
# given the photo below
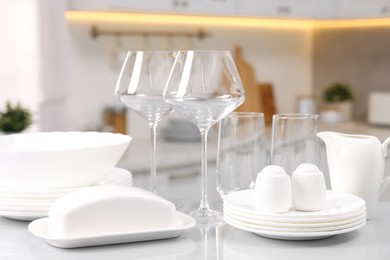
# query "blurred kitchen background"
(51, 62)
(61, 59)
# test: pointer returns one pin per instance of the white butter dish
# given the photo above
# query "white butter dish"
(39, 228)
(107, 215)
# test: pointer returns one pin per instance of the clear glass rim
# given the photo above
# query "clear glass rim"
(246, 114)
(152, 51)
(169, 51)
(218, 51)
(295, 116)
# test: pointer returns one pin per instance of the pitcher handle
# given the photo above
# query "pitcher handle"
(386, 180)
(384, 184)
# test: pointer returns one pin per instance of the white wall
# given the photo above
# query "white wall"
(282, 57)
(19, 54)
(32, 59)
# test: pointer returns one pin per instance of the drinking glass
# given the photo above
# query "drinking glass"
(242, 151)
(294, 140)
(204, 87)
(140, 87)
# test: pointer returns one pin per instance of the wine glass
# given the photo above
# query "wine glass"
(140, 87)
(204, 87)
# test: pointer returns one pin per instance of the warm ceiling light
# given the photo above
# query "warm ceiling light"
(190, 20)
(352, 23)
(220, 21)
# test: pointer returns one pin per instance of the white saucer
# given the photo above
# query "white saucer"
(338, 206)
(39, 229)
(238, 217)
(295, 235)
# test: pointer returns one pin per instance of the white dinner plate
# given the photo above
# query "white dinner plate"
(235, 216)
(117, 176)
(24, 215)
(31, 205)
(24, 201)
(295, 235)
(338, 206)
(24, 209)
(314, 221)
(39, 228)
(296, 229)
(37, 203)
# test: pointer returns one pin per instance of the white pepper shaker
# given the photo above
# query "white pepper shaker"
(308, 188)
(273, 190)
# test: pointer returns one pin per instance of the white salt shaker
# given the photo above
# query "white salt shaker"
(308, 188)
(273, 190)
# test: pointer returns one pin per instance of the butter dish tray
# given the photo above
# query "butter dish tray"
(39, 228)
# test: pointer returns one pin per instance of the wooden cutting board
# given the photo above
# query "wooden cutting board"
(268, 101)
(248, 78)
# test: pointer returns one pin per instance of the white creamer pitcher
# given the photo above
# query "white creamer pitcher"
(356, 165)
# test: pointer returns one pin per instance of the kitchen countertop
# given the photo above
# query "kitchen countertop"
(182, 160)
(169, 155)
(224, 242)
(174, 155)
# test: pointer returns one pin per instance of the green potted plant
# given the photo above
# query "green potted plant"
(339, 97)
(15, 118)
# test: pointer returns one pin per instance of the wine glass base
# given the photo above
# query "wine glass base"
(207, 217)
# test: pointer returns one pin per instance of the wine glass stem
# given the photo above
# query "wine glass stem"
(204, 205)
(153, 158)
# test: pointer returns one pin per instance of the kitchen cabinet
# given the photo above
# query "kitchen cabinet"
(158, 6)
(363, 8)
(278, 8)
(306, 9)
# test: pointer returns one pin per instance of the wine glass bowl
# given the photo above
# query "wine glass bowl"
(140, 87)
(204, 87)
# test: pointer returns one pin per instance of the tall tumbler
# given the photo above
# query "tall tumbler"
(294, 140)
(242, 151)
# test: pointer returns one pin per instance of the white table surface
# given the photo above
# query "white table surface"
(224, 242)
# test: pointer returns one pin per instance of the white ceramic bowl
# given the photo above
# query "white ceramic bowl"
(58, 159)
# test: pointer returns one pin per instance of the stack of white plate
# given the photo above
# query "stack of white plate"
(23, 204)
(343, 213)
(181, 130)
